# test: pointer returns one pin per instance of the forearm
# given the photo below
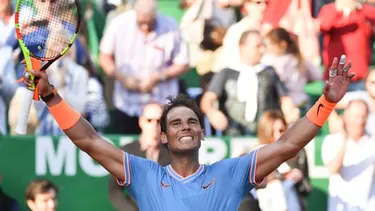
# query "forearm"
(81, 133)
(335, 164)
(174, 71)
(297, 137)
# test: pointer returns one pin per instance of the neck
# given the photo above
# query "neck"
(184, 165)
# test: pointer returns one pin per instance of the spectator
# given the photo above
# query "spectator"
(247, 90)
(7, 74)
(294, 172)
(41, 195)
(284, 55)
(211, 46)
(7, 203)
(347, 29)
(336, 121)
(194, 22)
(253, 21)
(145, 53)
(349, 158)
(205, 81)
(148, 146)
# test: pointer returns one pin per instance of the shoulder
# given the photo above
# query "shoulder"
(167, 23)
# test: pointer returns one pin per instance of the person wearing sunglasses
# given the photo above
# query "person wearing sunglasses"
(148, 146)
(336, 123)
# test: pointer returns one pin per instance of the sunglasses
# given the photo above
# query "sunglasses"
(153, 120)
(259, 2)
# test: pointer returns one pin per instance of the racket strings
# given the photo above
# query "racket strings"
(48, 27)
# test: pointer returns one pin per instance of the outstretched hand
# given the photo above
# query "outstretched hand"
(339, 79)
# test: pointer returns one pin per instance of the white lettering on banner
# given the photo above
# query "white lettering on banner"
(49, 158)
(212, 150)
(64, 157)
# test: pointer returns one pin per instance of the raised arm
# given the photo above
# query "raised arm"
(79, 130)
(303, 131)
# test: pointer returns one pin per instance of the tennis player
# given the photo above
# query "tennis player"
(186, 184)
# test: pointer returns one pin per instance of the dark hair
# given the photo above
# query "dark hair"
(39, 186)
(265, 125)
(213, 36)
(245, 34)
(181, 100)
(279, 35)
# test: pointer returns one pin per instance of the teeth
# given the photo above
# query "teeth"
(186, 138)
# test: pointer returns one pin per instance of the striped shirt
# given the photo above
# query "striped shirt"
(140, 56)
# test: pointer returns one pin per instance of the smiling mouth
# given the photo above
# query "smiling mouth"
(186, 138)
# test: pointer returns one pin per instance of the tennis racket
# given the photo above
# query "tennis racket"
(45, 29)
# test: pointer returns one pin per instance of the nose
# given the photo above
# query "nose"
(186, 126)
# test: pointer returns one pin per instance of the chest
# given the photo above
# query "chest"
(144, 51)
(203, 193)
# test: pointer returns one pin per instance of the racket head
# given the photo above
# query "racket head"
(46, 29)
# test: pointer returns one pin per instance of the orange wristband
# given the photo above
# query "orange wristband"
(65, 116)
(320, 112)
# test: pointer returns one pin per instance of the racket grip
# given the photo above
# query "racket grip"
(24, 113)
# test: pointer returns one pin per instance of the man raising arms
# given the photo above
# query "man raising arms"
(186, 183)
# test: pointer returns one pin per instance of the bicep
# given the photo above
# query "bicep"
(217, 83)
(269, 158)
(108, 156)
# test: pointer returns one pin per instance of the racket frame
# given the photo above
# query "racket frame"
(28, 56)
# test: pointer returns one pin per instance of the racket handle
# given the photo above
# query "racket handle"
(25, 111)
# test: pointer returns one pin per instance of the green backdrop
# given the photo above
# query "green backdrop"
(83, 183)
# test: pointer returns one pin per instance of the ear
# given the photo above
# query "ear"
(163, 138)
(30, 204)
(202, 135)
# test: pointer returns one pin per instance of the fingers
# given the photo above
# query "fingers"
(27, 80)
(341, 64)
(347, 67)
(351, 75)
(334, 68)
(326, 87)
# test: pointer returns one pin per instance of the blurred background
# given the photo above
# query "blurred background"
(254, 66)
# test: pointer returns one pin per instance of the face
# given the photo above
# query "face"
(45, 5)
(4, 5)
(278, 128)
(255, 8)
(355, 118)
(273, 48)
(146, 22)
(149, 123)
(370, 84)
(252, 50)
(44, 202)
(184, 132)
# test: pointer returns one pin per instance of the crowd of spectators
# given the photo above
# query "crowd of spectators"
(253, 58)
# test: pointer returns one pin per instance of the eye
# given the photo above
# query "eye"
(176, 124)
(193, 122)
